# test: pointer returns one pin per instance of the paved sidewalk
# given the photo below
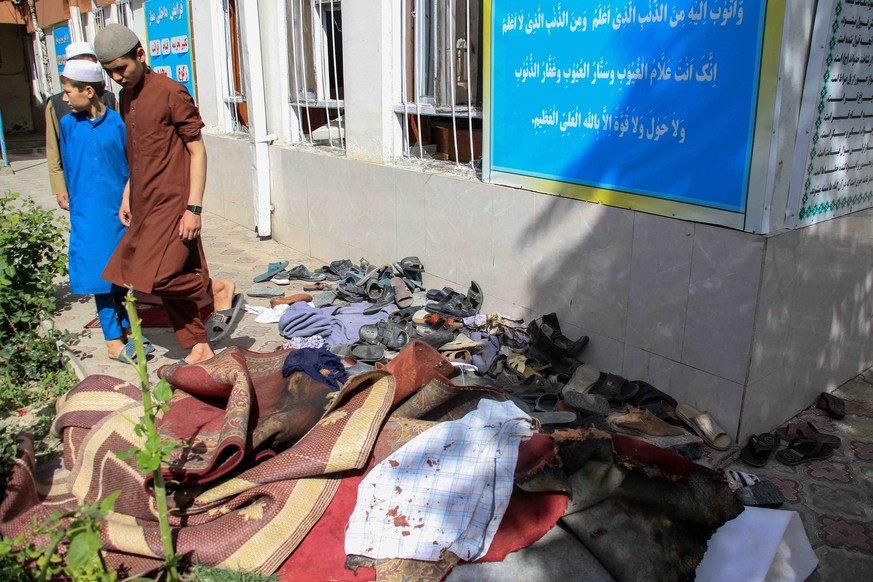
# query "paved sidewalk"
(233, 252)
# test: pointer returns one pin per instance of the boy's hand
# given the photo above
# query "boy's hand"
(189, 226)
(124, 212)
(63, 200)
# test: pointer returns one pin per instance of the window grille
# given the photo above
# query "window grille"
(123, 13)
(441, 80)
(235, 92)
(316, 70)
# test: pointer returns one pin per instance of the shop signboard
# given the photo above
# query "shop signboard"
(62, 38)
(168, 34)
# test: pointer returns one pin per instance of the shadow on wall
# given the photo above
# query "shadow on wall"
(689, 307)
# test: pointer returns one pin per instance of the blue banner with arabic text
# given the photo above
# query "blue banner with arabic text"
(62, 40)
(652, 98)
(169, 40)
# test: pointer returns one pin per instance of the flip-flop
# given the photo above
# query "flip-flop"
(796, 430)
(264, 291)
(147, 344)
(705, 427)
(759, 448)
(804, 450)
(273, 269)
(223, 321)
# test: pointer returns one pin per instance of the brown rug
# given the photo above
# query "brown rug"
(251, 521)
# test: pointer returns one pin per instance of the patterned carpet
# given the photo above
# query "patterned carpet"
(834, 497)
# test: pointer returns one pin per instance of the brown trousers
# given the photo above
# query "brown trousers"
(181, 291)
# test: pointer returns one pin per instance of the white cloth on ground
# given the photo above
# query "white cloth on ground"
(266, 314)
(297, 343)
(448, 488)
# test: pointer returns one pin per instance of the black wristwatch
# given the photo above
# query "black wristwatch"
(195, 209)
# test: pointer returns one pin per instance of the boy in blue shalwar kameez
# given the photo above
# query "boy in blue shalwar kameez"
(93, 152)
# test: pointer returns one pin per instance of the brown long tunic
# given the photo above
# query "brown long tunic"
(160, 118)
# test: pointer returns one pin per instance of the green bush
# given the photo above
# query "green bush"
(31, 257)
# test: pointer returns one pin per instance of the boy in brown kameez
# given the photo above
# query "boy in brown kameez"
(161, 252)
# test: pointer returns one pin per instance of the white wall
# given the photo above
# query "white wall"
(708, 314)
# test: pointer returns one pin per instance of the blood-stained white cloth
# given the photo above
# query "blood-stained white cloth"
(448, 488)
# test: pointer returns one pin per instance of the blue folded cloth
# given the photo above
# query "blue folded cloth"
(319, 364)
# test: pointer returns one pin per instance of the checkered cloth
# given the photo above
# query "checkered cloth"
(448, 488)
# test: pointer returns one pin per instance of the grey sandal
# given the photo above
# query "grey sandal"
(222, 321)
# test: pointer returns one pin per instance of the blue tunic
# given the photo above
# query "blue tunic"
(95, 169)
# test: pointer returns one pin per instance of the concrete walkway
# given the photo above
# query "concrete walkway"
(833, 496)
(232, 251)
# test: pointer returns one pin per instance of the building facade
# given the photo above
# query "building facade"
(366, 129)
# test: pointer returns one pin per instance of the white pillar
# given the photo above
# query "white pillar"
(77, 34)
(251, 33)
(368, 56)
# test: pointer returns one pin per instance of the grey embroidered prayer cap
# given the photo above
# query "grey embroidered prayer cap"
(114, 41)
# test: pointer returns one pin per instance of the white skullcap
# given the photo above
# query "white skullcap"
(77, 49)
(84, 71)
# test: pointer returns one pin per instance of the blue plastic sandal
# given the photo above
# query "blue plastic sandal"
(273, 269)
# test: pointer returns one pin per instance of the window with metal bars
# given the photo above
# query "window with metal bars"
(235, 88)
(315, 46)
(440, 107)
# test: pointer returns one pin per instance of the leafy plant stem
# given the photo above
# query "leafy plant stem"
(151, 431)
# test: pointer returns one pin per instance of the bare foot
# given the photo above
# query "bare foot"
(114, 348)
(200, 353)
(222, 293)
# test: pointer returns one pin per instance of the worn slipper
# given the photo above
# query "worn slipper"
(402, 293)
(281, 278)
(461, 356)
(759, 448)
(796, 430)
(291, 299)
(641, 422)
(705, 427)
(761, 494)
(273, 269)
(303, 274)
(463, 342)
(738, 479)
(223, 321)
(385, 333)
(588, 403)
(367, 353)
(127, 354)
(549, 421)
(147, 344)
(804, 450)
(577, 391)
(614, 387)
(324, 299)
(264, 291)
(834, 406)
